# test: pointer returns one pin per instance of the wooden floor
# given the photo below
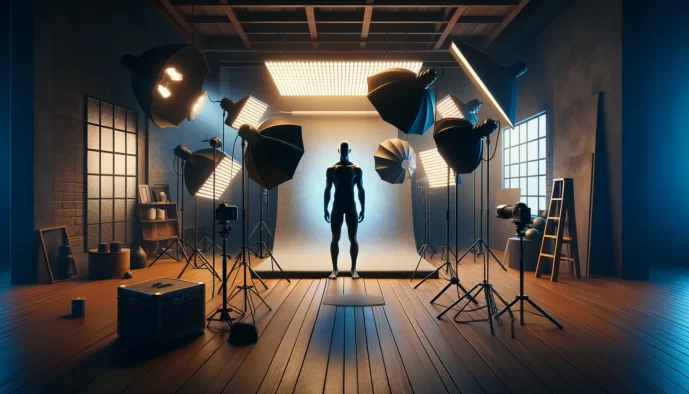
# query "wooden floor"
(619, 337)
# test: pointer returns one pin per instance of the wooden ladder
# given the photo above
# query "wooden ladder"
(562, 220)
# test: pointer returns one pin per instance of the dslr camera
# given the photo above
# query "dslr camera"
(518, 213)
(225, 213)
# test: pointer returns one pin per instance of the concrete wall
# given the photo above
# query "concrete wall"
(77, 49)
(578, 55)
(5, 130)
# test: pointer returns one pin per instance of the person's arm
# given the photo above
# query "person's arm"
(326, 195)
(362, 193)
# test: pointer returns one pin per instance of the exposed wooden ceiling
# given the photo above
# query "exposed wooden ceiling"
(350, 27)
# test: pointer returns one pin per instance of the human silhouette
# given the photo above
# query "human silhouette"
(344, 175)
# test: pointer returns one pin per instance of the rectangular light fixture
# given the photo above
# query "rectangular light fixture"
(435, 168)
(449, 109)
(329, 78)
(226, 169)
(251, 113)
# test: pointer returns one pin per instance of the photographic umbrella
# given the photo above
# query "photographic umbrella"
(273, 151)
(404, 99)
(395, 160)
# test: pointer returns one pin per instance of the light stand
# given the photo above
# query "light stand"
(445, 251)
(196, 252)
(224, 311)
(485, 286)
(245, 289)
(426, 229)
(521, 297)
(261, 246)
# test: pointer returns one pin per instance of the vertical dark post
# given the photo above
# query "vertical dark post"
(488, 207)
(521, 277)
(215, 167)
(244, 218)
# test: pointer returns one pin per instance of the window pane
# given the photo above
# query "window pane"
(515, 171)
(506, 138)
(120, 214)
(93, 137)
(533, 204)
(131, 187)
(522, 133)
(541, 148)
(514, 155)
(131, 121)
(506, 184)
(514, 183)
(514, 138)
(541, 167)
(120, 168)
(119, 141)
(93, 109)
(106, 163)
(93, 162)
(541, 204)
(506, 173)
(106, 232)
(131, 165)
(119, 233)
(106, 211)
(93, 211)
(532, 148)
(131, 144)
(106, 118)
(532, 128)
(120, 114)
(93, 186)
(106, 187)
(119, 187)
(541, 185)
(541, 126)
(507, 156)
(522, 185)
(533, 186)
(522, 153)
(532, 168)
(522, 169)
(106, 139)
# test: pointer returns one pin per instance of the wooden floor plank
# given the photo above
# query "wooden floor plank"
(311, 378)
(379, 375)
(364, 383)
(351, 384)
(334, 379)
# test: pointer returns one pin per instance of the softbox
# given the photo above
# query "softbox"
(273, 151)
(395, 160)
(404, 99)
(459, 144)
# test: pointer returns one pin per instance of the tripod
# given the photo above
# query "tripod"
(445, 251)
(224, 311)
(197, 254)
(426, 229)
(485, 286)
(245, 290)
(521, 297)
(262, 250)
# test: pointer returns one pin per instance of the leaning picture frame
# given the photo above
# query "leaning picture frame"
(144, 194)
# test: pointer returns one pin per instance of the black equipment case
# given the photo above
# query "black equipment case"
(160, 310)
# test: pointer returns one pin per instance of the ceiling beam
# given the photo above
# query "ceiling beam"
(381, 17)
(351, 3)
(169, 11)
(366, 24)
(450, 25)
(313, 32)
(229, 11)
(508, 19)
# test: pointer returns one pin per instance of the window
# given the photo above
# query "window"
(523, 158)
(111, 182)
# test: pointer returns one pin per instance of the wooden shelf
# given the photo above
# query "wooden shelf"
(156, 203)
(160, 239)
(159, 230)
(159, 221)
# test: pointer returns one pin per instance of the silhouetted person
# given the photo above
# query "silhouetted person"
(344, 175)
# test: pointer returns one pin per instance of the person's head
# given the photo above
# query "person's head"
(344, 150)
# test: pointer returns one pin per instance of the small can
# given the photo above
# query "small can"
(78, 307)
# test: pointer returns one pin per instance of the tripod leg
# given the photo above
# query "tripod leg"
(422, 254)
(457, 302)
(489, 302)
(466, 292)
(273, 261)
(252, 272)
(469, 250)
(164, 252)
(187, 264)
(441, 292)
(431, 274)
(496, 259)
(545, 314)
(509, 306)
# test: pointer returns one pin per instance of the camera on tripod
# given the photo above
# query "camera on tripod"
(518, 213)
(225, 213)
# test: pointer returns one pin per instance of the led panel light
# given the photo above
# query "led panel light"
(329, 78)
(448, 109)
(251, 113)
(224, 172)
(435, 168)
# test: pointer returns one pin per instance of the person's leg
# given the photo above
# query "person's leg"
(352, 227)
(336, 220)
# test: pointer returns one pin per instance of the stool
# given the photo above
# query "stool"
(531, 249)
(108, 265)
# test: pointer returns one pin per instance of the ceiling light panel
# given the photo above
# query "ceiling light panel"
(435, 168)
(329, 78)
(448, 109)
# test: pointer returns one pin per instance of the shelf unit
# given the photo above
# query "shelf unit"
(159, 230)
